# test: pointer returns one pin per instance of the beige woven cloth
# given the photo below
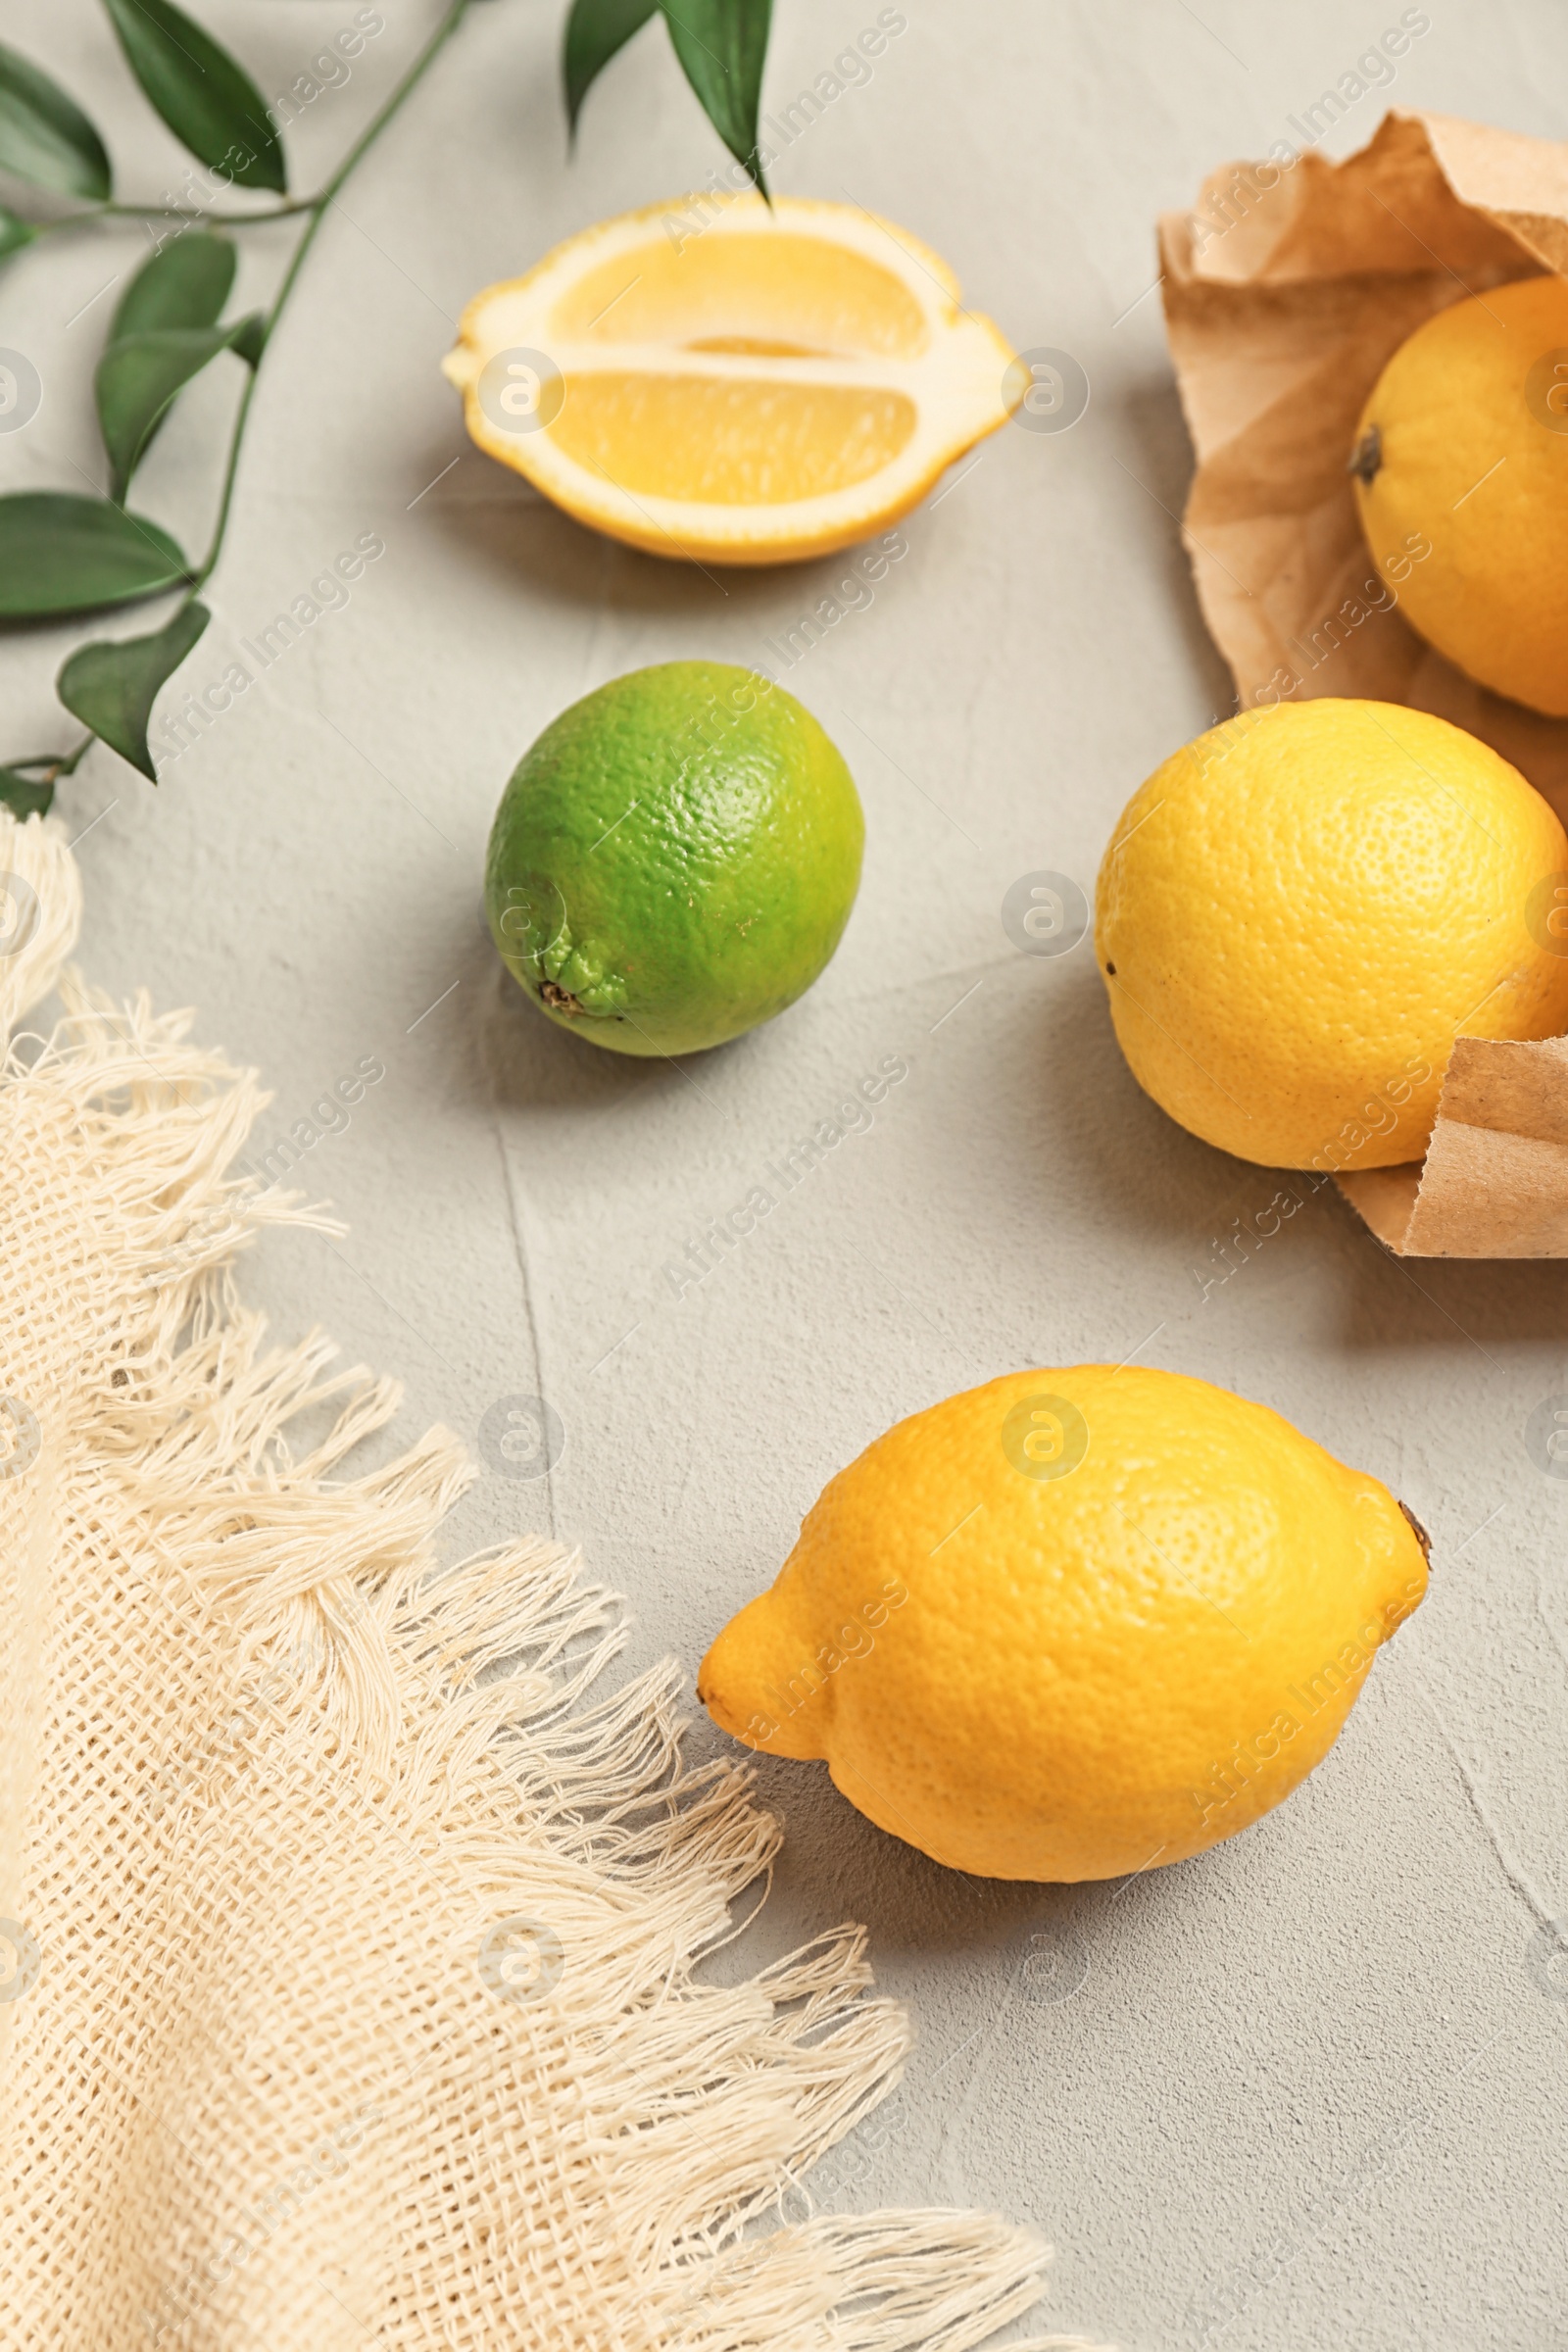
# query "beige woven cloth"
(348, 1988)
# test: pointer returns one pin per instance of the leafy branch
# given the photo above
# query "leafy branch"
(65, 553)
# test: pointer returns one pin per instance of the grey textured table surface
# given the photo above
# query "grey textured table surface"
(1307, 2091)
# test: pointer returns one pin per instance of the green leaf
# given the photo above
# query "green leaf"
(44, 136)
(111, 688)
(594, 31)
(14, 233)
(722, 45)
(208, 102)
(21, 795)
(138, 381)
(249, 338)
(61, 551)
(185, 283)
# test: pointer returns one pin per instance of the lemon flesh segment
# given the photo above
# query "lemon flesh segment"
(769, 287)
(736, 442)
(766, 388)
(1463, 493)
(1298, 913)
(1074, 1622)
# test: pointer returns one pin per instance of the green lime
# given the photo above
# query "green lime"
(674, 859)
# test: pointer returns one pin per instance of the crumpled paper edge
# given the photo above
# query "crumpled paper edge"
(1494, 1179)
(1287, 289)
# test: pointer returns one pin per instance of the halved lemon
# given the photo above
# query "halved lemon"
(715, 381)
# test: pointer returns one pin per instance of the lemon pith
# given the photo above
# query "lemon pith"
(1038, 1671)
(754, 386)
(1300, 912)
(1463, 448)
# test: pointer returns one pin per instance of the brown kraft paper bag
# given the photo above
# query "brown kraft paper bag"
(1287, 290)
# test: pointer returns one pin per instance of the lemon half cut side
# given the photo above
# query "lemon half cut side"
(712, 381)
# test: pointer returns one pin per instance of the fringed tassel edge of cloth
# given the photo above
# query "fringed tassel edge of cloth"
(460, 1709)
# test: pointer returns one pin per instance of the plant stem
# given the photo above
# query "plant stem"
(188, 214)
(73, 760)
(56, 764)
(318, 208)
(185, 211)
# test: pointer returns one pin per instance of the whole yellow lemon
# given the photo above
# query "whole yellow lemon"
(1300, 912)
(1073, 1623)
(1463, 449)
